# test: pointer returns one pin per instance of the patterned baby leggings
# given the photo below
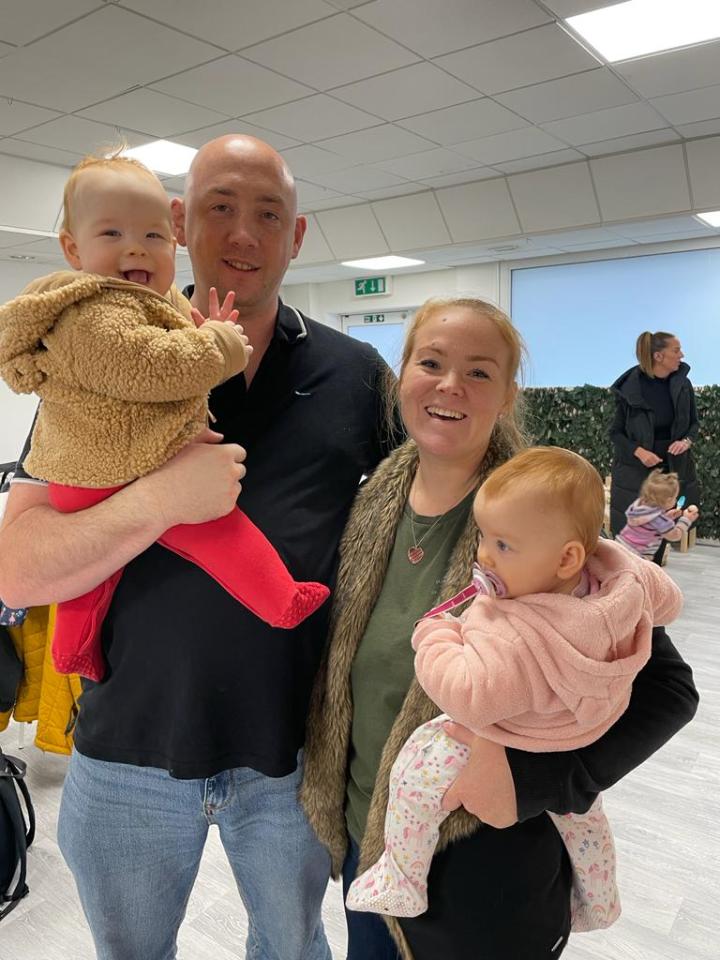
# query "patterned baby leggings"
(424, 769)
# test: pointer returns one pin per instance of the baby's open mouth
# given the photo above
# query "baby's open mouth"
(137, 276)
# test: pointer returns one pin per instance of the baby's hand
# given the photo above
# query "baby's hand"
(691, 512)
(674, 513)
(224, 313)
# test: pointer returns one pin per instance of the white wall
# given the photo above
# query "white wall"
(16, 411)
(325, 301)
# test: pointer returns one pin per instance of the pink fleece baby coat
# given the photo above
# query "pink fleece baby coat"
(547, 671)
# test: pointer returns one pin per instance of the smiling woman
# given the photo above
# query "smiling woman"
(410, 544)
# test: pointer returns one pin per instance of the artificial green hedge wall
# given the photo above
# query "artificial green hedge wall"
(579, 418)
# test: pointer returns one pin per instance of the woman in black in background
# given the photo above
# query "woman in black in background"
(655, 424)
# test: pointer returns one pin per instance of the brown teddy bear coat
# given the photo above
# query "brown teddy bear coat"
(123, 374)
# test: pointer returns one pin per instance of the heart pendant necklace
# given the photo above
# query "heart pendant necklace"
(415, 552)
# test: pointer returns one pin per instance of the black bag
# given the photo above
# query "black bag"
(10, 670)
(15, 834)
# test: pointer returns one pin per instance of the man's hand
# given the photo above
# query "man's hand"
(647, 457)
(485, 786)
(200, 483)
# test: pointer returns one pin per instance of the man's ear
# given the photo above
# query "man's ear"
(69, 249)
(300, 228)
(572, 560)
(177, 207)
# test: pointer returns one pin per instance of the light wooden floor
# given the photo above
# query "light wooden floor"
(665, 817)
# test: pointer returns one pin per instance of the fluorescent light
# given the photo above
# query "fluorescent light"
(164, 156)
(639, 27)
(382, 263)
(711, 218)
(27, 231)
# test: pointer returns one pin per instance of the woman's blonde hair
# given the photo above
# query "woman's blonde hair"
(649, 344)
(659, 487)
(561, 480)
(510, 428)
(113, 160)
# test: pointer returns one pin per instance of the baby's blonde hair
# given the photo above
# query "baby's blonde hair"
(563, 480)
(114, 161)
(659, 487)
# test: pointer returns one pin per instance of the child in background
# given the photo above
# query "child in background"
(653, 517)
(123, 366)
(543, 662)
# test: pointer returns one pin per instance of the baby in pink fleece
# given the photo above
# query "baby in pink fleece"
(542, 660)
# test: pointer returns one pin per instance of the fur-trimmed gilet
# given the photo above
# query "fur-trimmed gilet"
(364, 556)
(123, 374)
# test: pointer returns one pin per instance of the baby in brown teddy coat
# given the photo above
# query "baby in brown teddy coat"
(123, 365)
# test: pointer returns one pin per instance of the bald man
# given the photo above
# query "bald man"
(200, 718)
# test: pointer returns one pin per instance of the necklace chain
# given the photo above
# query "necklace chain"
(415, 552)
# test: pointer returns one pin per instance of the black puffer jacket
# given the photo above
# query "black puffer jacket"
(634, 426)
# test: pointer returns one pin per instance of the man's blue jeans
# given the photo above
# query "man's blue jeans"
(133, 838)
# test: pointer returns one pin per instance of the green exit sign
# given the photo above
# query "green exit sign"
(370, 286)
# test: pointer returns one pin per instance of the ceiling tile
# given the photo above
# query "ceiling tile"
(16, 116)
(629, 143)
(559, 197)
(568, 97)
(673, 71)
(378, 143)
(411, 222)
(87, 72)
(308, 161)
(478, 211)
(466, 176)
(232, 85)
(406, 92)
(10, 239)
(510, 146)
(687, 107)
(396, 191)
(570, 238)
(309, 193)
(32, 193)
(431, 163)
(465, 121)
(315, 118)
(333, 202)
(703, 128)
(606, 124)
(174, 185)
(153, 113)
(83, 136)
(641, 184)
(34, 151)
(314, 247)
(703, 164)
(536, 163)
(5, 49)
(358, 178)
(233, 25)
(25, 21)
(660, 226)
(431, 30)
(352, 232)
(332, 52)
(571, 8)
(196, 138)
(534, 56)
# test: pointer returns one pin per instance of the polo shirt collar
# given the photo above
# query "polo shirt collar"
(290, 325)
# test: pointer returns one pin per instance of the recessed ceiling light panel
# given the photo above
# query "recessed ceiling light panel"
(639, 27)
(382, 263)
(164, 156)
(711, 219)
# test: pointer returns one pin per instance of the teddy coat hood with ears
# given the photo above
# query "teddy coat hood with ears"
(123, 374)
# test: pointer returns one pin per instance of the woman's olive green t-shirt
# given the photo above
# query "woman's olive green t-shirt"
(383, 667)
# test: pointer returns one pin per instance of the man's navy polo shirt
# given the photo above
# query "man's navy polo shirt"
(195, 683)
